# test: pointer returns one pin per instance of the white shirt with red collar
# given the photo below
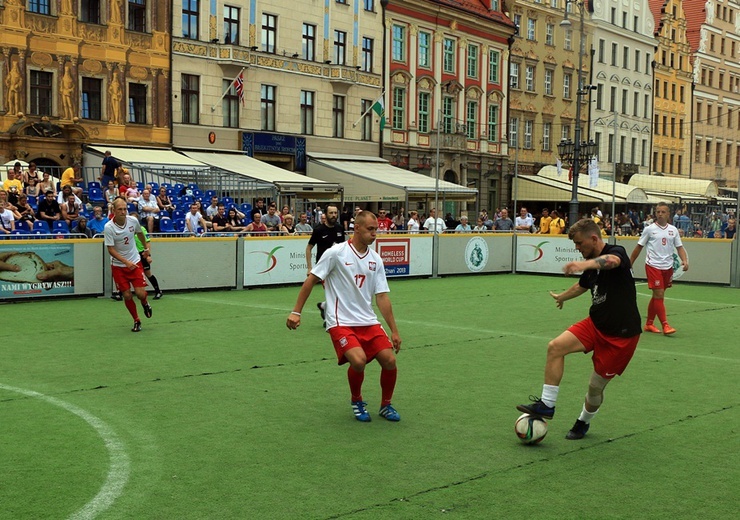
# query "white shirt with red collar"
(661, 242)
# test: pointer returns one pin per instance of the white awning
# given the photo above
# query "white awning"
(374, 179)
(541, 189)
(604, 187)
(285, 180)
(149, 158)
(659, 183)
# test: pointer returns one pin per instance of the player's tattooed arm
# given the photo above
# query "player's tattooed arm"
(607, 262)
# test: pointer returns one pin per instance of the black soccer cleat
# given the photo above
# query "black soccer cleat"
(321, 310)
(158, 295)
(578, 431)
(537, 408)
(136, 327)
(147, 310)
(116, 296)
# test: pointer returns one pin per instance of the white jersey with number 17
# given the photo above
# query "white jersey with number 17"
(351, 280)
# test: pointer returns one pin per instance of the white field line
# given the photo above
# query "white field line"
(447, 326)
(119, 470)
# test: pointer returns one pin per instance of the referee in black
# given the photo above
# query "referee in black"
(323, 237)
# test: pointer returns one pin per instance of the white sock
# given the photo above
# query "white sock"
(586, 416)
(323, 305)
(549, 394)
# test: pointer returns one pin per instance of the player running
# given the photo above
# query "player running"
(660, 237)
(352, 274)
(611, 330)
(125, 261)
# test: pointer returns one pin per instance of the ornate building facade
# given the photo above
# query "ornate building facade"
(673, 90)
(447, 70)
(80, 71)
(306, 71)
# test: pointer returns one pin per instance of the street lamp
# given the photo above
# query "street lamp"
(578, 151)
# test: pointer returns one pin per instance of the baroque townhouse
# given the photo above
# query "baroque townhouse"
(447, 70)
(714, 35)
(82, 71)
(624, 46)
(673, 88)
(310, 69)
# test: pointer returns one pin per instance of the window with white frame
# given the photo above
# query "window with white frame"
(514, 132)
(567, 78)
(471, 120)
(398, 43)
(518, 23)
(448, 115)
(399, 108)
(494, 58)
(425, 53)
(550, 34)
(423, 123)
(565, 132)
(546, 130)
(528, 128)
(448, 55)
(568, 39)
(514, 75)
(493, 115)
(472, 61)
(529, 78)
(548, 81)
(531, 29)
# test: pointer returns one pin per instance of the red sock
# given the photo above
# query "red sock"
(131, 306)
(387, 385)
(144, 302)
(659, 306)
(651, 311)
(355, 383)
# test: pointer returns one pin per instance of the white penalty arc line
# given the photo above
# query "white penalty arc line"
(119, 470)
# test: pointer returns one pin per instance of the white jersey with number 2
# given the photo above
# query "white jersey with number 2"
(660, 242)
(122, 239)
(351, 280)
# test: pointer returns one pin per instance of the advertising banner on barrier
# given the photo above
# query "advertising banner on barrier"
(543, 254)
(474, 253)
(38, 270)
(275, 261)
(405, 256)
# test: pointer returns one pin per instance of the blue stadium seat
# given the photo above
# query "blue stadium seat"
(179, 225)
(22, 225)
(227, 201)
(42, 226)
(132, 208)
(155, 186)
(166, 225)
(140, 185)
(245, 208)
(178, 214)
(187, 199)
(193, 186)
(197, 194)
(95, 196)
(61, 225)
(209, 193)
(20, 233)
(33, 202)
(93, 184)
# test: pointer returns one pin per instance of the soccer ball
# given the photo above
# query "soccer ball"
(530, 429)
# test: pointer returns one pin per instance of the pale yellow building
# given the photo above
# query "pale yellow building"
(673, 77)
(77, 72)
(310, 69)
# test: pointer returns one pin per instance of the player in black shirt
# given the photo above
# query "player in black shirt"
(323, 237)
(611, 330)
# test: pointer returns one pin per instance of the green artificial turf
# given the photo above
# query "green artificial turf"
(223, 413)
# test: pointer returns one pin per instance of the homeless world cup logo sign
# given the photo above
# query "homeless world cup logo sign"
(476, 254)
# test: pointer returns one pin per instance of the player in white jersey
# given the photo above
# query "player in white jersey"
(661, 238)
(352, 273)
(125, 260)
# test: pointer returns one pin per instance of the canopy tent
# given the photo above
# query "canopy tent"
(542, 189)
(147, 158)
(678, 185)
(266, 174)
(604, 187)
(374, 179)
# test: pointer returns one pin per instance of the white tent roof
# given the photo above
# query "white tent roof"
(536, 188)
(659, 183)
(149, 158)
(603, 189)
(284, 180)
(374, 179)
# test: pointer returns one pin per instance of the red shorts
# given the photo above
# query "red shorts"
(612, 354)
(372, 339)
(658, 278)
(125, 277)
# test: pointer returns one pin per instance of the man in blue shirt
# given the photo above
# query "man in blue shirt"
(98, 222)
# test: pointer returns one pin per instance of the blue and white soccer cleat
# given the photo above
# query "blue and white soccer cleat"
(537, 408)
(389, 413)
(360, 411)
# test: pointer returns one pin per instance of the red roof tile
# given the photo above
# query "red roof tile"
(476, 7)
(657, 7)
(696, 15)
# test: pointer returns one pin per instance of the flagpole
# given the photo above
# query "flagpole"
(369, 109)
(231, 84)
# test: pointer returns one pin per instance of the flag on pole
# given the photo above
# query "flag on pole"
(570, 173)
(379, 108)
(593, 173)
(238, 84)
(559, 165)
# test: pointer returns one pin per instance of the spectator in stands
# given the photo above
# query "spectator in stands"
(80, 227)
(132, 194)
(124, 181)
(72, 177)
(288, 226)
(557, 224)
(504, 223)
(49, 209)
(24, 209)
(317, 212)
(545, 219)
(524, 221)
(271, 220)
(486, 219)
(413, 223)
(32, 189)
(46, 184)
(110, 195)
(352, 218)
(31, 174)
(283, 212)
(12, 185)
(463, 226)
(256, 227)
(303, 227)
(63, 196)
(730, 229)
(194, 220)
(219, 221)
(480, 226)
(450, 222)
(163, 200)
(259, 207)
(212, 210)
(236, 220)
(5, 202)
(385, 224)
(98, 222)
(148, 209)
(108, 172)
(345, 218)
(71, 209)
(434, 224)
(7, 219)
(399, 220)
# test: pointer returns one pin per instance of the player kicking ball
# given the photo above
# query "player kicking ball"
(352, 273)
(611, 330)
(119, 235)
